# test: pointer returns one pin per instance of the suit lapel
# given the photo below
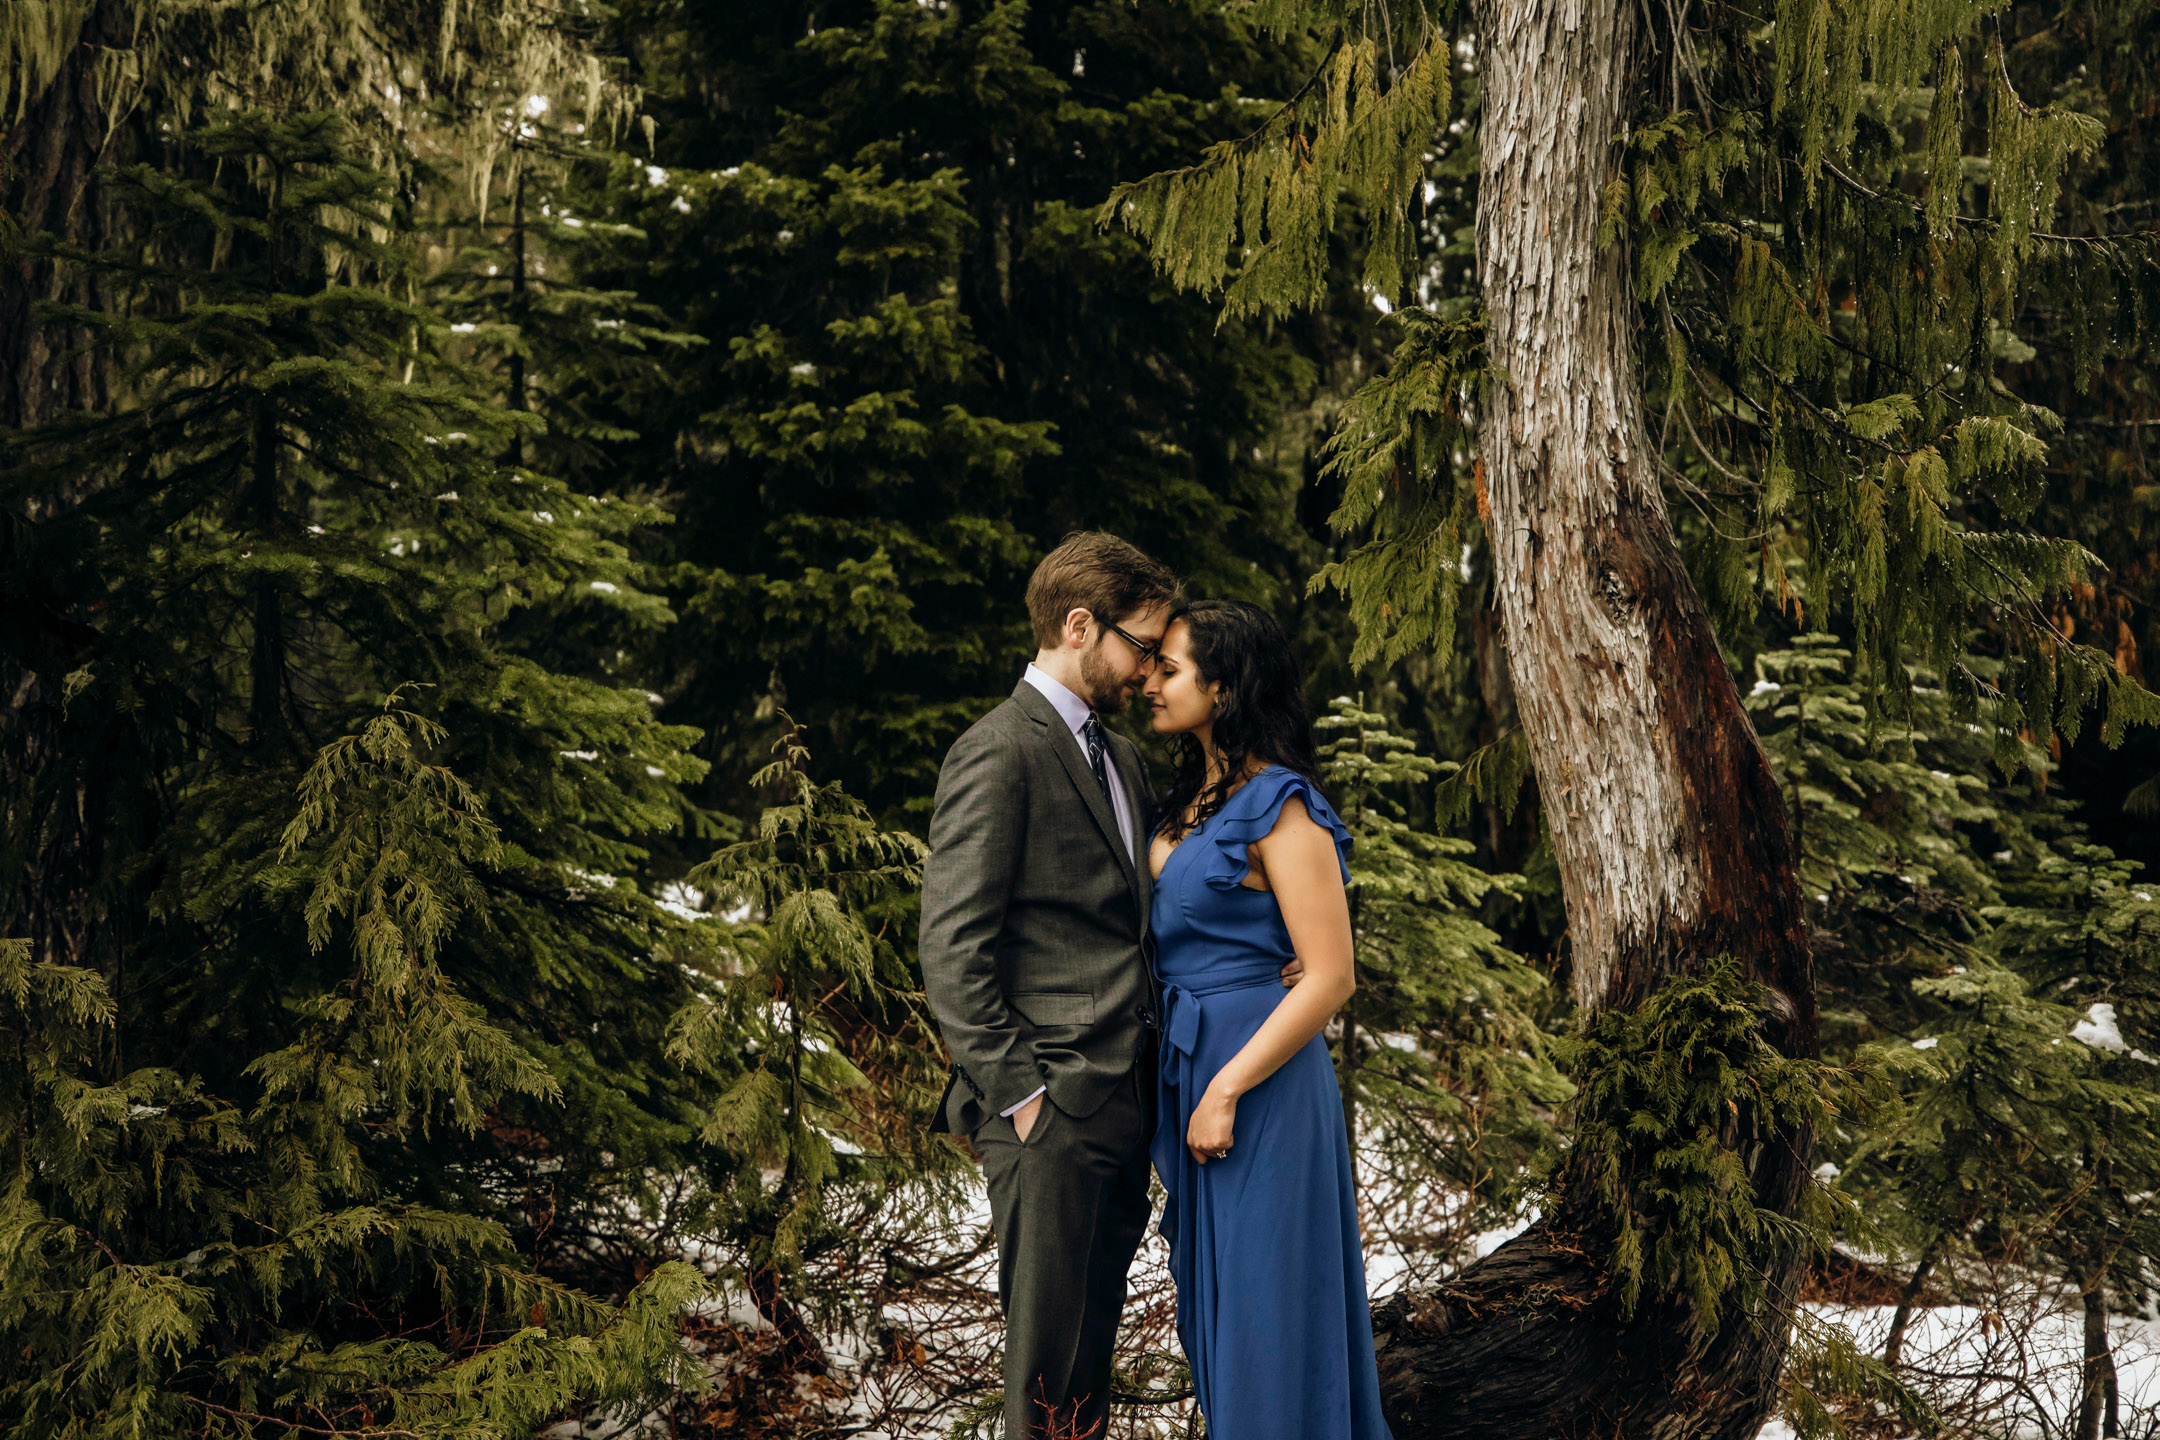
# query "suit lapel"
(1136, 805)
(1067, 748)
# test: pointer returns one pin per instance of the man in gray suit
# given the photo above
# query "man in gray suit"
(1034, 915)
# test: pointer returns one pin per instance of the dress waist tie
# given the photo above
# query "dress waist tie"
(1181, 1022)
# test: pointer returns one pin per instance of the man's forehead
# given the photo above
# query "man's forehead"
(1149, 623)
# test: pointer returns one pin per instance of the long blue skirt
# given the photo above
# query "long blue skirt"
(1264, 1243)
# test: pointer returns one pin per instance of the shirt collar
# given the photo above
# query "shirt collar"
(1070, 707)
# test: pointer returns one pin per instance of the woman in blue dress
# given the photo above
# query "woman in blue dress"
(1250, 870)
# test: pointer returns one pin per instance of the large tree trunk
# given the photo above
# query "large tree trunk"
(54, 809)
(46, 162)
(1667, 823)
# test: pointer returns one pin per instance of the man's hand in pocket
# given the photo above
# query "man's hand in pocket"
(1024, 1118)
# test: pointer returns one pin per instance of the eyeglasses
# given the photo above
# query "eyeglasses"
(1144, 649)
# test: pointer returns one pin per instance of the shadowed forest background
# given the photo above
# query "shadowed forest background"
(504, 508)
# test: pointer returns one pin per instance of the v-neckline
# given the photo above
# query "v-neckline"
(1155, 876)
(1171, 854)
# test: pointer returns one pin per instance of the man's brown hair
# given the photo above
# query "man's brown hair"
(1098, 573)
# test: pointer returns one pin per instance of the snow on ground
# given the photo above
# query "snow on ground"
(2006, 1369)
(2017, 1366)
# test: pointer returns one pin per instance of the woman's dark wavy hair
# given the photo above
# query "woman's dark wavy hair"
(1260, 711)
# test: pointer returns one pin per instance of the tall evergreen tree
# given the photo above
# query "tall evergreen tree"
(1443, 1054)
(925, 365)
(2104, 61)
(91, 83)
(1965, 923)
(352, 1036)
(806, 998)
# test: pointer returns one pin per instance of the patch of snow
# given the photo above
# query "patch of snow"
(1487, 1241)
(605, 587)
(2098, 1029)
(684, 902)
(1928, 1044)
(1764, 687)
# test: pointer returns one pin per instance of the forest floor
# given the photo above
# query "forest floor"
(2000, 1359)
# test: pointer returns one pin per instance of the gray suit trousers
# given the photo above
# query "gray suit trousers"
(1070, 1206)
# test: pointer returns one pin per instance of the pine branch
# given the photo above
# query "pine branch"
(248, 1417)
(1980, 222)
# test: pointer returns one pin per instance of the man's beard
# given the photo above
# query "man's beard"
(1103, 687)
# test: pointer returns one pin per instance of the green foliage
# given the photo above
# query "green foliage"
(1397, 452)
(423, 85)
(1824, 1365)
(806, 990)
(1444, 1056)
(338, 1026)
(2001, 966)
(1493, 775)
(1829, 361)
(924, 364)
(1661, 1094)
(171, 1256)
(511, 290)
(1357, 129)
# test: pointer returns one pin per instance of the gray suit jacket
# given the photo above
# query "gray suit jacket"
(1034, 918)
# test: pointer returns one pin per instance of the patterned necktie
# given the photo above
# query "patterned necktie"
(1092, 732)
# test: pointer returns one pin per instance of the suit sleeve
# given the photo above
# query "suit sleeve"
(975, 846)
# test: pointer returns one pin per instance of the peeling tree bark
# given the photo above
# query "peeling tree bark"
(1667, 824)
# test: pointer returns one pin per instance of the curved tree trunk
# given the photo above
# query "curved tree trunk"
(1667, 823)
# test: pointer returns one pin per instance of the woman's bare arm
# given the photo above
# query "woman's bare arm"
(1297, 857)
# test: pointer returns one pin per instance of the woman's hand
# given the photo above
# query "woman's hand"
(1208, 1137)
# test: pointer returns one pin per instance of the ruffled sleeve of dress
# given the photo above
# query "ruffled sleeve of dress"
(1251, 813)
